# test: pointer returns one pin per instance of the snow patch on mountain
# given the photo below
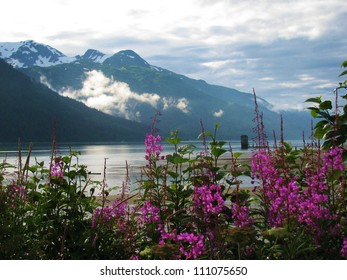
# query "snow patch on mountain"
(26, 54)
(95, 56)
(29, 53)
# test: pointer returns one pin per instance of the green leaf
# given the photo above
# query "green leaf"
(217, 152)
(237, 155)
(344, 64)
(174, 175)
(320, 132)
(173, 140)
(220, 143)
(208, 134)
(314, 113)
(66, 159)
(176, 159)
(288, 147)
(343, 73)
(321, 123)
(326, 105)
(314, 99)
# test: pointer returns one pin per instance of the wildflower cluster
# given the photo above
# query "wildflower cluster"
(149, 213)
(191, 245)
(208, 199)
(241, 215)
(17, 195)
(280, 192)
(116, 213)
(314, 198)
(56, 169)
(344, 248)
(333, 159)
(153, 148)
(310, 202)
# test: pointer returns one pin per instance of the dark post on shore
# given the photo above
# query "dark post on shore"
(244, 142)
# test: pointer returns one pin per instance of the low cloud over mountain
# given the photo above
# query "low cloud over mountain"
(127, 86)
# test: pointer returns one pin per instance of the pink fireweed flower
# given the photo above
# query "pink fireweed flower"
(240, 214)
(149, 213)
(191, 245)
(344, 248)
(333, 159)
(117, 213)
(153, 148)
(16, 193)
(313, 201)
(101, 216)
(167, 235)
(280, 193)
(208, 198)
(56, 169)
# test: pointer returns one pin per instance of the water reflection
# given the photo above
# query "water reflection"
(93, 156)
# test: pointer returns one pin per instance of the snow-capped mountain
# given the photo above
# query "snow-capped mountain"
(26, 54)
(125, 85)
(95, 56)
(126, 58)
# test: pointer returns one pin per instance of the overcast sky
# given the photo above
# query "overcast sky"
(287, 50)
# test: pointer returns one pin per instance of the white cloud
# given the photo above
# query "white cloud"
(109, 96)
(218, 114)
(44, 80)
(328, 86)
(183, 105)
(266, 79)
(232, 43)
(291, 84)
(306, 77)
(217, 64)
(181, 22)
(167, 103)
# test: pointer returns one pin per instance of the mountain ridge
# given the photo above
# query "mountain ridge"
(30, 111)
(127, 86)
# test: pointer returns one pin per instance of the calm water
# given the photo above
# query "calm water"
(94, 155)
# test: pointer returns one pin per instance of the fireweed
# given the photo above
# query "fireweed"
(196, 221)
(186, 207)
(105, 214)
(310, 201)
(56, 169)
(17, 195)
(279, 193)
(344, 248)
(153, 149)
(241, 215)
(191, 245)
(208, 199)
(148, 213)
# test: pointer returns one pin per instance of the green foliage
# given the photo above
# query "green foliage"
(47, 216)
(332, 128)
